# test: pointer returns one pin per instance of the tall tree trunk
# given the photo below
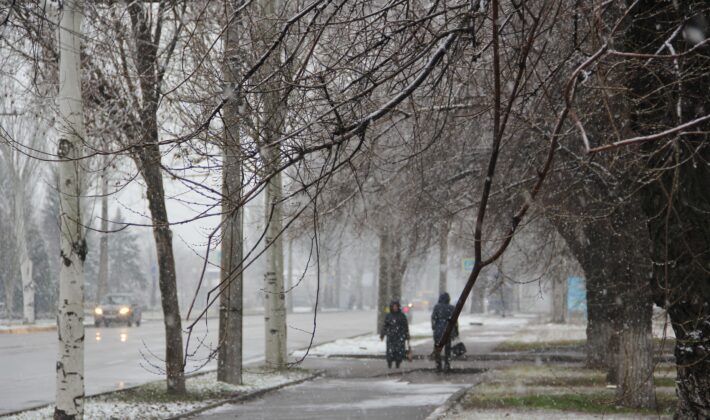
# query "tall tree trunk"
(9, 286)
(272, 123)
(174, 366)
(148, 160)
(479, 297)
(383, 279)
(359, 269)
(443, 255)
(635, 346)
(70, 316)
(337, 290)
(229, 362)
(559, 299)
(102, 282)
(23, 255)
(675, 199)
(397, 269)
(600, 315)
(289, 278)
(275, 300)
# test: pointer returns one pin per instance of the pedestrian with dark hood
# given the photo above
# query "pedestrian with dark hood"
(439, 318)
(396, 329)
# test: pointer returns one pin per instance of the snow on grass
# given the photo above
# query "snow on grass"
(508, 414)
(538, 333)
(150, 401)
(549, 332)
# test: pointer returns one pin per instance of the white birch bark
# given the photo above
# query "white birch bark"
(274, 301)
(23, 256)
(272, 126)
(70, 317)
(289, 278)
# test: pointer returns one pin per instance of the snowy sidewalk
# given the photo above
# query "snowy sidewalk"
(357, 384)
(480, 334)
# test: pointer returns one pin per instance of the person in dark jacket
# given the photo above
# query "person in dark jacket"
(396, 329)
(439, 317)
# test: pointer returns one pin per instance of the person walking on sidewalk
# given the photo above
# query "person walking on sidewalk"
(439, 317)
(396, 329)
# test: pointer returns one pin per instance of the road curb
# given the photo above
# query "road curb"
(28, 329)
(444, 408)
(245, 397)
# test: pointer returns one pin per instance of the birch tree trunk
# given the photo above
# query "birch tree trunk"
(9, 286)
(289, 278)
(274, 301)
(229, 361)
(102, 283)
(272, 125)
(23, 255)
(70, 317)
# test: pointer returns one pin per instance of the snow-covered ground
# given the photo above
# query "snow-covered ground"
(508, 414)
(549, 332)
(111, 406)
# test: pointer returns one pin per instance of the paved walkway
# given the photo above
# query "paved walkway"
(364, 388)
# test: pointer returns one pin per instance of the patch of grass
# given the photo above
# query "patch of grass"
(664, 381)
(200, 387)
(511, 346)
(420, 337)
(666, 345)
(156, 392)
(595, 403)
(562, 387)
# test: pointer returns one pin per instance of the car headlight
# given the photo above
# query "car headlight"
(99, 311)
(124, 311)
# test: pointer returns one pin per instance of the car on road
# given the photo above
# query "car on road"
(118, 308)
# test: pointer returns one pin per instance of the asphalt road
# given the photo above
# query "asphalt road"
(119, 357)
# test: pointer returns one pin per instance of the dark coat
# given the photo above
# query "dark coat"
(396, 329)
(439, 317)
